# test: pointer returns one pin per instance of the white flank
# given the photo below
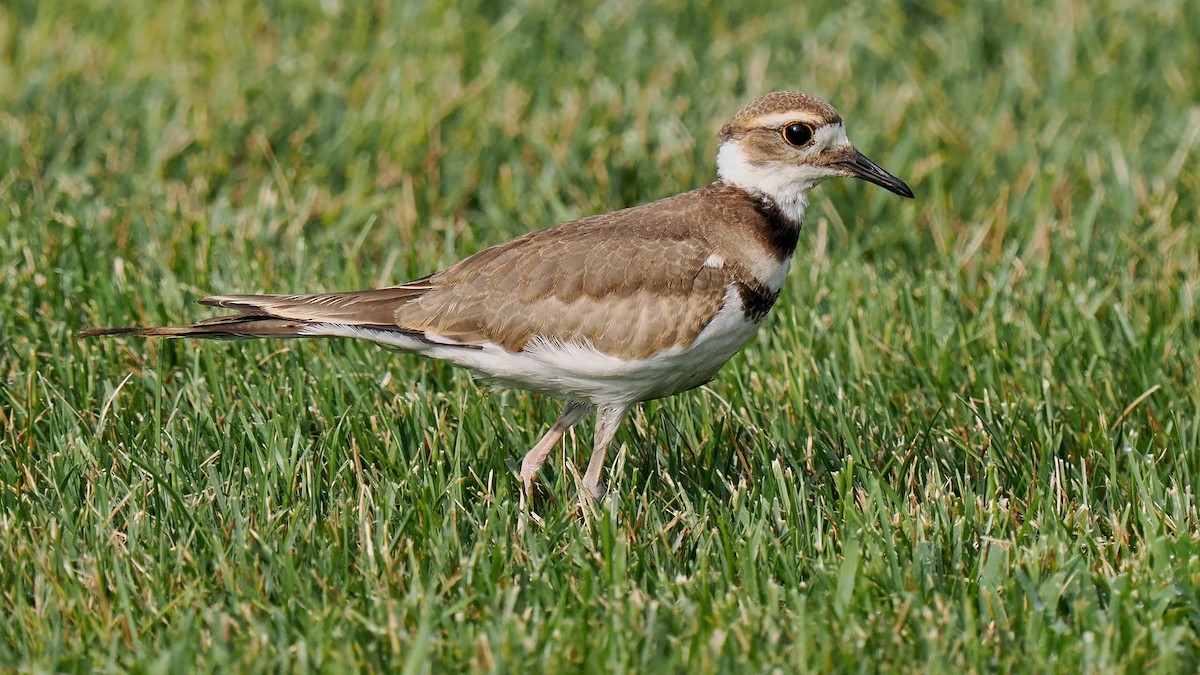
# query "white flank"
(578, 371)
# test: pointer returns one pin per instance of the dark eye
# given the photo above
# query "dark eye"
(798, 134)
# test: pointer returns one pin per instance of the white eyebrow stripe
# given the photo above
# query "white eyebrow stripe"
(780, 119)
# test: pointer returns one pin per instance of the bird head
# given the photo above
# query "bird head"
(783, 144)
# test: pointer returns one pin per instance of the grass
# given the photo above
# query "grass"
(968, 437)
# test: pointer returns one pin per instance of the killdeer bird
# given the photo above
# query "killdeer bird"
(606, 311)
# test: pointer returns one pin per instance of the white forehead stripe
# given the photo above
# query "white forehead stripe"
(831, 136)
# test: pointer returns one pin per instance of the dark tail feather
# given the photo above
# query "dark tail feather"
(284, 316)
(237, 326)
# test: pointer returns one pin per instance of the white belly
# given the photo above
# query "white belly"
(579, 372)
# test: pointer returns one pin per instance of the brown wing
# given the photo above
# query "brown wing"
(632, 283)
(630, 291)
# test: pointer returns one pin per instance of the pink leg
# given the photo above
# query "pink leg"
(608, 418)
(534, 459)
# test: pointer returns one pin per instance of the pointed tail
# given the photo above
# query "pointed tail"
(239, 326)
(352, 314)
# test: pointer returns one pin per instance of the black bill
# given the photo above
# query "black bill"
(861, 167)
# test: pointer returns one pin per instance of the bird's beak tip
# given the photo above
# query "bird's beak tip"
(860, 166)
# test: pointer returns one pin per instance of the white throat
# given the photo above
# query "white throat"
(785, 185)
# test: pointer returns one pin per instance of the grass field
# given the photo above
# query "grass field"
(968, 436)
